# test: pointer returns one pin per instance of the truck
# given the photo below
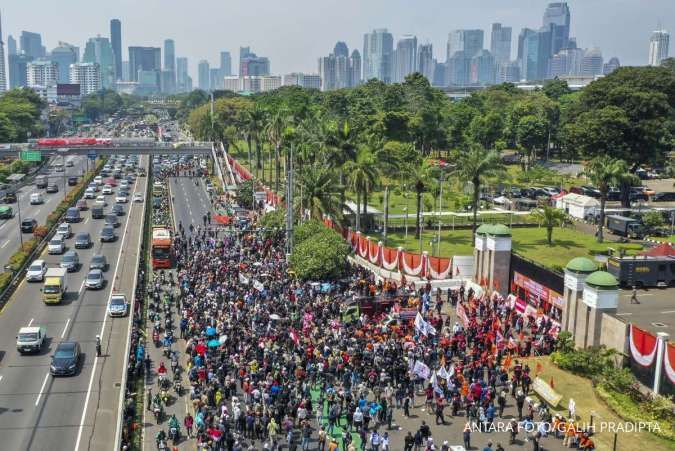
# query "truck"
(56, 284)
(643, 271)
(625, 226)
(31, 339)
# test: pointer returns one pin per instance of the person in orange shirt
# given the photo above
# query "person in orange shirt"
(570, 433)
(585, 443)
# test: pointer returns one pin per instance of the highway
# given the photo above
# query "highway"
(37, 411)
(9, 228)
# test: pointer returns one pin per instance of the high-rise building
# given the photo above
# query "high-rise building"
(457, 69)
(168, 82)
(557, 21)
(215, 80)
(144, 58)
(182, 74)
(378, 50)
(169, 55)
(567, 62)
(98, 50)
(11, 45)
(405, 58)
(204, 75)
(64, 55)
(658, 47)
(125, 71)
(592, 63)
(500, 43)
(3, 73)
(468, 41)
(251, 64)
(342, 71)
(611, 65)
(327, 72)
(87, 75)
(31, 45)
(355, 63)
(528, 54)
(18, 69)
(225, 64)
(440, 78)
(116, 42)
(307, 81)
(341, 49)
(508, 72)
(41, 74)
(425, 61)
(482, 69)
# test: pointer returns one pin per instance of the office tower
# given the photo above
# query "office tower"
(355, 63)
(169, 55)
(500, 43)
(468, 41)
(405, 58)
(508, 72)
(528, 54)
(182, 74)
(31, 45)
(167, 81)
(567, 62)
(144, 58)
(251, 64)
(592, 63)
(225, 64)
(425, 61)
(378, 50)
(341, 49)
(98, 50)
(215, 80)
(327, 72)
(233, 83)
(204, 75)
(342, 72)
(307, 81)
(611, 65)
(116, 42)
(482, 69)
(3, 73)
(18, 67)
(658, 47)
(41, 74)
(557, 21)
(457, 70)
(87, 75)
(11, 45)
(440, 78)
(125, 71)
(64, 55)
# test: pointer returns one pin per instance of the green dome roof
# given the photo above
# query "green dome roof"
(602, 279)
(484, 229)
(500, 230)
(581, 264)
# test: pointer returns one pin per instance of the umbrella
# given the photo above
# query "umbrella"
(274, 316)
(210, 331)
(214, 343)
(200, 348)
(222, 339)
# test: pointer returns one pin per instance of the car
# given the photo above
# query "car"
(108, 234)
(59, 168)
(89, 194)
(81, 204)
(70, 261)
(66, 359)
(111, 220)
(100, 201)
(9, 198)
(118, 305)
(6, 212)
(28, 225)
(590, 191)
(93, 186)
(69, 164)
(98, 180)
(107, 189)
(52, 188)
(664, 197)
(36, 271)
(72, 181)
(36, 199)
(138, 197)
(97, 212)
(98, 261)
(83, 240)
(31, 339)
(94, 279)
(65, 230)
(121, 198)
(118, 209)
(57, 245)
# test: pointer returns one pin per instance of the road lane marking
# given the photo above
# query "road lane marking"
(86, 221)
(81, 288)
(623, 314)
(1, 378)
(31, 322)
(4, 224)
(5, 244)
(38, 211)
(668, 311)
(37, 401)
(63, 334)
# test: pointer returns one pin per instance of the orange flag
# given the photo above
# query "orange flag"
(507, 361)
(540, 368)
(551, 383)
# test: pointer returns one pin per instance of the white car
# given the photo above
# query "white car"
(100, 201)
(138, 197)
(98, 180)
(57, 245)
(65, 230)
(36, 198)
(107, 190)
(124, 184)
(121, 199)
(36, 271)
(118, 305)
(89, 194)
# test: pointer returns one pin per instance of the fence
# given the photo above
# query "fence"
(652, 360)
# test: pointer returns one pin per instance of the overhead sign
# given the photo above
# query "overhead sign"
(30, 155)
(91, 154)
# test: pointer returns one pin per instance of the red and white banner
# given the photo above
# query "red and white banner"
(461, 314)
(643, 346)
(669, 362)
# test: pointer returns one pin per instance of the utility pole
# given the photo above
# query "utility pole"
(18, 208)
(289, 206)
(440, 200)
(386, 214)
(212, 117)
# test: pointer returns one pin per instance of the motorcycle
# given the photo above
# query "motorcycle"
(161, 445)
(174, 435)
(155, 338)
(158, 412)
(164, 396)
(178, 388)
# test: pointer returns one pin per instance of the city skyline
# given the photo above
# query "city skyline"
(295, 48)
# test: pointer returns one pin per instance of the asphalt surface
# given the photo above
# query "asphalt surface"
(9, 228)
(38, 411)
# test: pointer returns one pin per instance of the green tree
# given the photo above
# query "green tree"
(362, 175)
(475, 166)
(605, 171)
(323, 256)
(555, 89)
(419, 175)
(531, 135)
(549, 217)
(275, 135)
(319, 192)
(653, 220)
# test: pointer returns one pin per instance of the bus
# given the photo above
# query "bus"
(162, 248)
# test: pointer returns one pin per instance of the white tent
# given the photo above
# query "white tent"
(577, 205)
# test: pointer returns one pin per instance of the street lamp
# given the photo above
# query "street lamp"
(18, 209)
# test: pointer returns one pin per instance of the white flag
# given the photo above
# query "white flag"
(420, 324)
(242, 279)
(258, 285)
(421, 370)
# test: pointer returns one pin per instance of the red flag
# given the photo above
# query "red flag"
(294, 336)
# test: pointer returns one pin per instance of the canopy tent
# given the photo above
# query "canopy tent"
(662, 250)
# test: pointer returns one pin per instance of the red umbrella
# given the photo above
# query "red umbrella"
(200, 348)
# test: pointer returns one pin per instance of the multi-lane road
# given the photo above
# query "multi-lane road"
(38, 411)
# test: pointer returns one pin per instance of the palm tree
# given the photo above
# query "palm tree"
(254, 121)
(604, 171)
(475, 166)
(362, 175)
(275, 135)
(319, 192)
(419, 175)
(549, 217)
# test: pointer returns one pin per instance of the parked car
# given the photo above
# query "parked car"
(590, 191)
(664, 196)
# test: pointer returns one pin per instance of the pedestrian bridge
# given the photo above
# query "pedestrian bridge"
(153, 149)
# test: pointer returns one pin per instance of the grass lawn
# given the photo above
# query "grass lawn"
(528, 242)
(581, 390)
(666, 239)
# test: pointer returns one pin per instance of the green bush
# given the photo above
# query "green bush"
(274, 223)
(5, 278)
(245, 194)
(589, 362)
(321, 256)
(307, 230)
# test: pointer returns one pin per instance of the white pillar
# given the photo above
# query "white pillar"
(661, 339)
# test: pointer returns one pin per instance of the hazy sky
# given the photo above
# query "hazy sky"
(294, 33)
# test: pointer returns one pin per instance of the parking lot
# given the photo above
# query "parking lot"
(655, 311)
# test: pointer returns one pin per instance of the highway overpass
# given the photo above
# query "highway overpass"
(196, 148)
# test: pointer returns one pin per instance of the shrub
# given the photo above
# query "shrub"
(321, 256)
(587, 362)
(307, 230)
(274, 223)
(5, 278)
(40, 231)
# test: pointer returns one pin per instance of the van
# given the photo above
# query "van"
(36, 198)
(73, 215)
(41, 182)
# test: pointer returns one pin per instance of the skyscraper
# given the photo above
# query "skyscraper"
(225, 64)
(378, 50)
(251, 64)
(457, 70)
(98, 50)
(658, 47)
(31, 45)
(18, 66)
(64, 55)
(204, 75)
(87, 75)
(215, 80)
(41, 74)
(145, 59)
(11, 45)
(3, 74)
(482, 69)
(341, 49)
(182, 75)
(468, 41)
(327, 72)
(116, 42)
(611, 65)
(169, 55)
(592, 63)
(500, 43)
(355, 62)
(425, 61)
(405, 58)
(557, 21)
(528, 54)
(567, 62)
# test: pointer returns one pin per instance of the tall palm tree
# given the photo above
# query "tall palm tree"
(254, 121)
(419, 175)
(318, 191)
(604, 171)
(275, 135)
(475, 165)
(549, 217)
(362, 175)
